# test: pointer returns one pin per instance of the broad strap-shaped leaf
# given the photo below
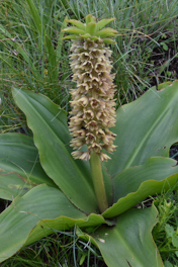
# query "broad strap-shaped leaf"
(20, 169)
(145, 128)
(130, 242)
(51, 136)
(37, 214)
(137, 183)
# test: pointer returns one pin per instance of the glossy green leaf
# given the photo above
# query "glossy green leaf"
(51, 136)
(145, 128)
(137, 183)
(130, 242)
(38, 213)
(20, 169)
(93, 221)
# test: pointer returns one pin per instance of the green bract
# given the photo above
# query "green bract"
(50, 190)
(91, 29)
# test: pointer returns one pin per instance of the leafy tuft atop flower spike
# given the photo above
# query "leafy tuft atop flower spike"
(93, 111)
(91, 29)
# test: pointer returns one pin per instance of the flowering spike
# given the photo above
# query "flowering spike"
(93, 111)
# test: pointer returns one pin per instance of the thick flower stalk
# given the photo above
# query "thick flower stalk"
(93, 106)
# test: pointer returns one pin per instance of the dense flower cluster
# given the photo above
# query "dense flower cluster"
(93, 111)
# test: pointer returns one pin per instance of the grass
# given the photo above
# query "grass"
(33, 56)
(165, 232)
(62, 249)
